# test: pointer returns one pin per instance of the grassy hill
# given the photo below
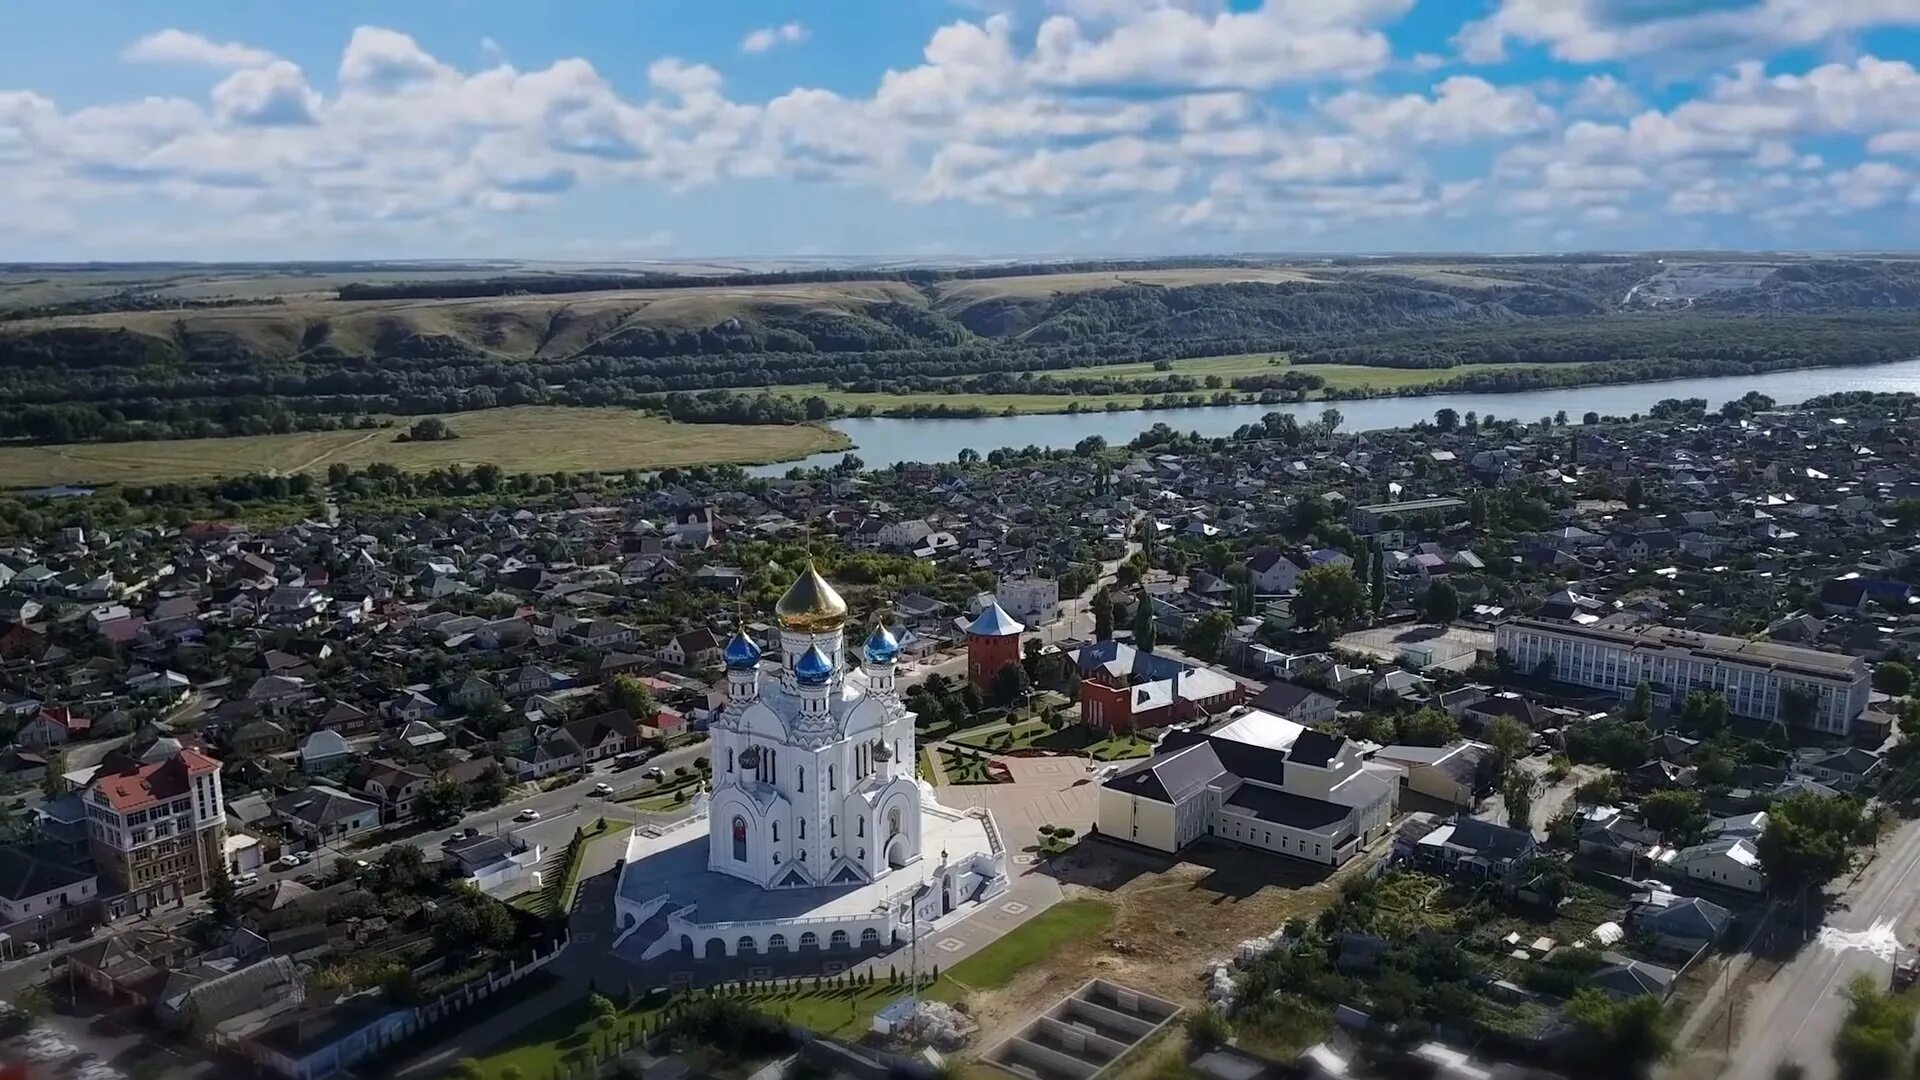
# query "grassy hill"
(842, 316)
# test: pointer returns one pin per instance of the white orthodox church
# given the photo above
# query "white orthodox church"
(817, 835)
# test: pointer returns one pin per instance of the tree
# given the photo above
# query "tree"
(440, 803)
(1675, 814)
(1330, 420)
(1642, 710)
(1427, 727)
(1704, 713)
(1010, 684)
(1872, 1043)
(1328, 597)
(1442, 602)
(1446, 419)
(1602, 790)
(220, 892)
(1102, 617)
(603, 1011)
(51, 784)
(1143, 626)
(1893, 677)
(629, 693)
(1208, 636)
(1509, 739)
(1636, 493)
(1518, 795)
(1809, 840)
(1378, 579)
(1619, 1038)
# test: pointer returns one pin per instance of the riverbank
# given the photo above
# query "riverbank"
(883, 441)
(525, 438)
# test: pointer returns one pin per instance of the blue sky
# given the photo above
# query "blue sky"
(663, 129)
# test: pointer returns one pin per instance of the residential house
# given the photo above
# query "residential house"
(394, 787)
(259, 738)
(42, 888)
(604, 735)
(693, 649)
(1679, 924)
(1449, 773)
(1477, 850)
(1272, 572)
(1301, 704)
(496, 865)
(325, 815)
(52, 726)
(323, 750)
(1730, 861)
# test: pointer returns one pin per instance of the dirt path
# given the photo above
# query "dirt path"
(320, 458)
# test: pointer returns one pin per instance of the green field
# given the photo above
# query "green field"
(1228, 368)
(528, 438)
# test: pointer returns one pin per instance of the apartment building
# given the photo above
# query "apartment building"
(156, 826)
(1759, 678)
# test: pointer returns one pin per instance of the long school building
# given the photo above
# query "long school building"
(1758, 678)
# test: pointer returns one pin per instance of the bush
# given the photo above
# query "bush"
(1208, 1027)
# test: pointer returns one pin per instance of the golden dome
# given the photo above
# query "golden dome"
(810, 604)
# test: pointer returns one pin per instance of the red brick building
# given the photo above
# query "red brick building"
(993, 642)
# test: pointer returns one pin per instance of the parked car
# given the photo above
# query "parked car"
(603, 789)
(285, 862)
(245, 881)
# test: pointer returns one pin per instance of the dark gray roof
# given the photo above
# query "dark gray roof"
(1279, 697)
(1487, 839)
(1315, 748)
(1293, 811)
(1168, 776)
(25, 872)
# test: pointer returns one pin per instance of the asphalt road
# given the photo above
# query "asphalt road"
(561, 811)
(1794, 1017)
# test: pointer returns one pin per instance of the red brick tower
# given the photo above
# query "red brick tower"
(993, 642)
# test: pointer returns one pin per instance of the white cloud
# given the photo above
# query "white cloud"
(1594, 31)
(1603, 95)
(183, 47)
(767, 37)
(271, 96)
(1895, 142)
(1282, 41)
(1463, 107)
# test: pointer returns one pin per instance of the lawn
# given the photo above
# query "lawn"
(521, 439)
(1071, 739)
(841, 1012)
(567, 1033)
(1060, 928)
(967, 768)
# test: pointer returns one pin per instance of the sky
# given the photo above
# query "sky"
(669, 129)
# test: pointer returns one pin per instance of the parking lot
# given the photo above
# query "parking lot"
(1449, 646)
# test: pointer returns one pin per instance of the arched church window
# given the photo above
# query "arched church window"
(893, 823)
(859, 826)
(831, 785)
(833, 826)
(739, 839)
(729, 759)
(776, 832)
(802, 774)
(802, 823)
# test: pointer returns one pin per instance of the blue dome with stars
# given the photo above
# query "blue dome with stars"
(742, 654)
(813, 668)
(882, 647)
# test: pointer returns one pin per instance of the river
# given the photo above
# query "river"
(883, 441)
